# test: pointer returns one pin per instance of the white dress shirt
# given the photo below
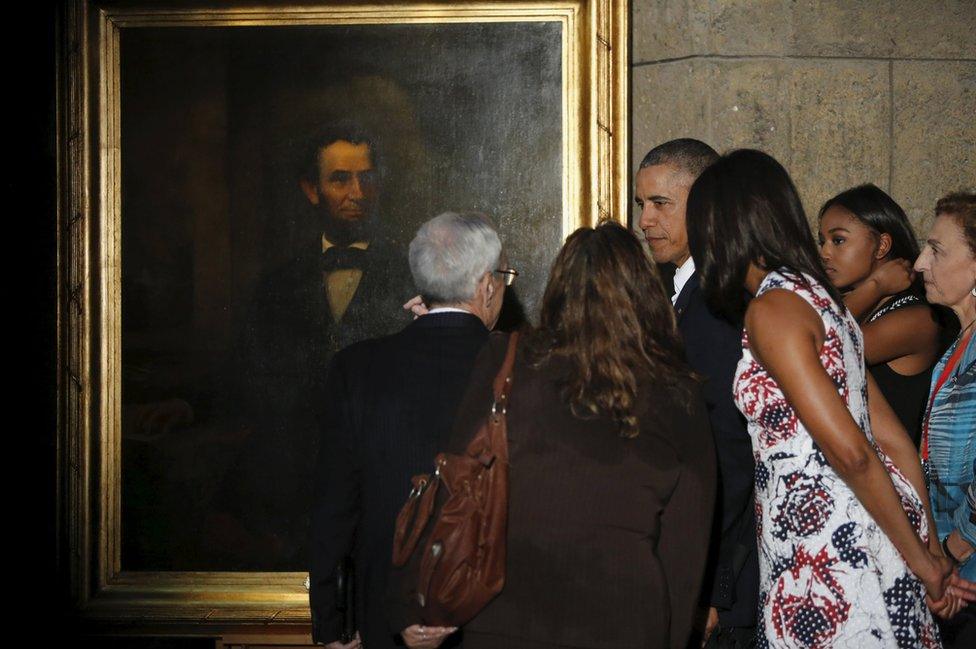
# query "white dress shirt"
(447, 309)
(681, 277)
(341, 285)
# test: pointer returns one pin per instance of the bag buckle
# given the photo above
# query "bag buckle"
(419, 488)
(500, 406)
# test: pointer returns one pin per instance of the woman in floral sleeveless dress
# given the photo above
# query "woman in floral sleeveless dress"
(830, 575)
(845, 555)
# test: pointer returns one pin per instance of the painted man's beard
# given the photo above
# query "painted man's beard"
(344, 231)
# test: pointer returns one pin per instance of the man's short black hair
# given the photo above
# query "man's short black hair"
(689, 155)
(345, 131)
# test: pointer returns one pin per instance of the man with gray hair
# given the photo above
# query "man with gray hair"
(391, 404)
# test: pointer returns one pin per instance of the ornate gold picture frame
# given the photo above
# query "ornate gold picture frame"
(99, 215)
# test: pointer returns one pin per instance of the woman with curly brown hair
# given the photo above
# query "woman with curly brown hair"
(612, 468)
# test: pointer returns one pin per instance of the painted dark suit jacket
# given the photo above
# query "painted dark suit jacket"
(714, 347)
(289, 339)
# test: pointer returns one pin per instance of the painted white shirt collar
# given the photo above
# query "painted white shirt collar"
(681, 277)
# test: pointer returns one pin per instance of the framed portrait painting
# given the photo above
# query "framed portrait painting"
(211, 156)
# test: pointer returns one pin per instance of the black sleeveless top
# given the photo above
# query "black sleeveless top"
(906, 394)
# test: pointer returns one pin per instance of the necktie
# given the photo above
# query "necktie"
(340, 258)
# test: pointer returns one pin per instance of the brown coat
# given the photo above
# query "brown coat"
(607, 536)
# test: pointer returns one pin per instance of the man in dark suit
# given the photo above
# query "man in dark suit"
(713, 347)
(388, 406)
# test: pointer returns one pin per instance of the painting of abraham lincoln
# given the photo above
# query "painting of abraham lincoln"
(271, 180)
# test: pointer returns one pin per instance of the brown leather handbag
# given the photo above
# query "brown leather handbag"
(450, 535)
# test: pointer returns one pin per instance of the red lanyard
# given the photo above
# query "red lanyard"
(950, 366)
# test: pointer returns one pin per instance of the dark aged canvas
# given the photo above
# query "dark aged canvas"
(228, 203)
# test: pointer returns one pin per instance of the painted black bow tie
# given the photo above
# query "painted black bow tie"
(339, 258)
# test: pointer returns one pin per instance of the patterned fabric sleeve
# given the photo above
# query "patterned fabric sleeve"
(952, 444)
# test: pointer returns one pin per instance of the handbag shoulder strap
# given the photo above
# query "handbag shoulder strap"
(503, 381)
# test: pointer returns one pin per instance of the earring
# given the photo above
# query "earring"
(973, 292)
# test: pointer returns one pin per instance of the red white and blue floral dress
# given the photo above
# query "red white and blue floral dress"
(829, 577)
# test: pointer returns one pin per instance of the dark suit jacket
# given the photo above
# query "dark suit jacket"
(287, 343)
(714, 347)
(607, 536)
(389, 404)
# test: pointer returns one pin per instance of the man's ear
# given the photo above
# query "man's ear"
(884, 246)
(310, 190)
(489, 287)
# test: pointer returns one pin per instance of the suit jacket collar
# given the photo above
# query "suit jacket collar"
(689, 289)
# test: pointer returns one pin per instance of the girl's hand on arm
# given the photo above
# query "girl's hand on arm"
(891, 277)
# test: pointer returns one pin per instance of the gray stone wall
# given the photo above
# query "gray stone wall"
(840, 91)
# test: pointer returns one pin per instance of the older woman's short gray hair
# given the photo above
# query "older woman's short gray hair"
(450, 253)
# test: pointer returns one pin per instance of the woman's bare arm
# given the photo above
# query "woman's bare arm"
(905, 332)
(894, 441)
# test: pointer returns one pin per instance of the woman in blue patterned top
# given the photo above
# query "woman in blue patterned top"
(948, 445)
